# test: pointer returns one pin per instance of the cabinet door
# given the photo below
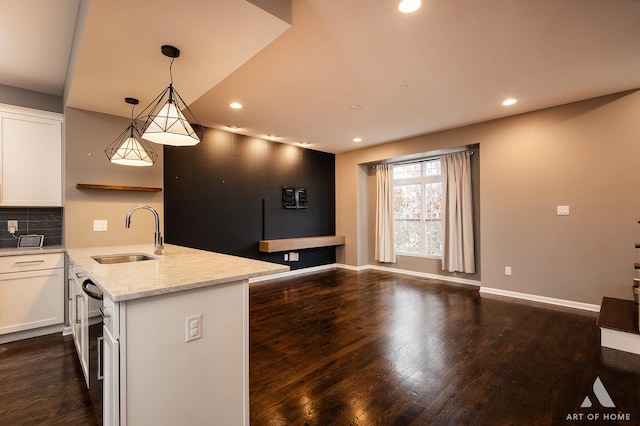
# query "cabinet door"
(31, 299)
(111, 380)
(71, 301)
(31, 160)
(81, 329)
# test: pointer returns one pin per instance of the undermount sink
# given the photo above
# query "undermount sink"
(122, 258)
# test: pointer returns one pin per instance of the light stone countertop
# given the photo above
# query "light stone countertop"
(14, 251)
(179, 268)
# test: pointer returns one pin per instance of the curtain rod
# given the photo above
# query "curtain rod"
(425, 156)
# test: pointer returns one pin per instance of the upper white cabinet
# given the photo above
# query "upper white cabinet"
(30, 157)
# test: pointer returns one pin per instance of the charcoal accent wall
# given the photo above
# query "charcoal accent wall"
(225, 195)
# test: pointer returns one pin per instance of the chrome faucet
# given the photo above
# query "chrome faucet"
(158, 246)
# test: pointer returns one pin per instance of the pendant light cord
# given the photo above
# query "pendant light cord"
(170, 71)
(132, 123)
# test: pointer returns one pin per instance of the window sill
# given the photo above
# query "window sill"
(422, 256)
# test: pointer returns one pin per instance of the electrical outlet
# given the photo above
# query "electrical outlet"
(286, 257)
(12, 226)
(294, 256)
(507, 270)
(193, 329)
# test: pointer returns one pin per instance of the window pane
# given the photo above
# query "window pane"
(433, 200)
(407, 208)
(433, 232)
(407, 202)
(404, 171)
(407, 236)
(432, 168)
(433, 238)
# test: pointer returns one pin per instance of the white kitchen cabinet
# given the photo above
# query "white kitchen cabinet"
(111, 364)
(145, 348)
(30, 157)
(31, 292)
(80, 326)
(81, 309)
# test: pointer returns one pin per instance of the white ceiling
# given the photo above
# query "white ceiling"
(458, 60)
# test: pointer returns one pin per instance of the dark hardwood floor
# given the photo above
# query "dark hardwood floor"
(41, 383)
(373, 348)
(364, 348)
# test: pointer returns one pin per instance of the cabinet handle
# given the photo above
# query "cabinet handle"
(80, 275)
(100, 348)
(103, 312)
(78, 319)
(28, 262)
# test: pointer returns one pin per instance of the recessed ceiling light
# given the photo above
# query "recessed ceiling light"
(272, 137)
(509, 101)
(305, 144)
(355, 107)
(357, 140)
(235, 105)
(409, 6)
(404, 86)
(232, 127)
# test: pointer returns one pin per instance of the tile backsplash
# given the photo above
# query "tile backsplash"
(31, 220)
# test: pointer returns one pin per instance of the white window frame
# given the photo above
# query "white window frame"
(422, 181)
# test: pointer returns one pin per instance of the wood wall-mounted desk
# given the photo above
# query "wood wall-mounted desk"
(286, 244)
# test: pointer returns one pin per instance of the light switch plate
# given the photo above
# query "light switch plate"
(562, 210)
(99, 225)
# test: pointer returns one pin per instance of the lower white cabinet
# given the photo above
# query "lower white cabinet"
(153, 375)
(82, 309)
(111, 367)
(31, 292)
(79, 318)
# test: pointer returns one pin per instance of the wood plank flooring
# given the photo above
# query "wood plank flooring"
(370, 348)
(366, 348)
(41, 383)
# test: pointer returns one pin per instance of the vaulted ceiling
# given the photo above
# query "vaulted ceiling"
(343, 69)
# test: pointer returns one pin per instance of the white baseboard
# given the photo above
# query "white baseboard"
(488, 290)
(423, 275)
(293, 273)
(28, 334)
(541, 299)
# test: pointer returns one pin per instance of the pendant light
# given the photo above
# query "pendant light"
(129, 149)
(168, 120)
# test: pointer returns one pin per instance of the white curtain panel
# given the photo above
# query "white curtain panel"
(384, 247)
(458, 253)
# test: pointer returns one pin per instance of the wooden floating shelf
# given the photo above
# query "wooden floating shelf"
(117, 187)
(272, 246)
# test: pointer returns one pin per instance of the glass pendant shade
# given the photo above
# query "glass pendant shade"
(129, 149)
(167, 121)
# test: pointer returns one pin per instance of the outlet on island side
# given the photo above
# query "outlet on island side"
(193, 328)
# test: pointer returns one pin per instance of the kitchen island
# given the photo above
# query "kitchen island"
(176, 334)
